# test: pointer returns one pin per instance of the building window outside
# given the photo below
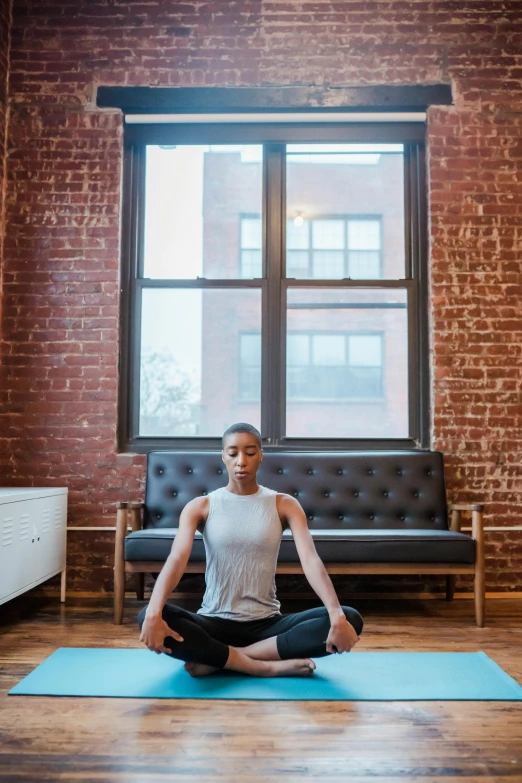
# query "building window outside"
(320, 247)
(320, 367)
(251, 246)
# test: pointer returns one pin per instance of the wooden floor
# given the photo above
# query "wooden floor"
(141, 741)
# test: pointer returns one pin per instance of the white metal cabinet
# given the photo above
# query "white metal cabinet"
(33, 529)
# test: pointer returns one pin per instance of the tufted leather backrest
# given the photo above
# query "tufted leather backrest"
(345, 490)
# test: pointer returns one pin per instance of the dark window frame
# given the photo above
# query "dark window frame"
(274, 285)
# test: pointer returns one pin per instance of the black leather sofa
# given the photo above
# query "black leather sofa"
(368, 512)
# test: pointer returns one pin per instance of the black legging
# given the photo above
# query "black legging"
(206, 639)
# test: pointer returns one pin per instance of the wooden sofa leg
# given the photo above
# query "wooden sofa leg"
(480, 570)
(450, 586)
(140, 586)
(119, 563)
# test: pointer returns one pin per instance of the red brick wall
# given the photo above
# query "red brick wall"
(60, 300)
(5, 25)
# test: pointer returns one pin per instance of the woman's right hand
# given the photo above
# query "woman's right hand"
(154, 632)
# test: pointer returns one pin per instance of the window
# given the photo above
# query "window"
(250, 260)
(334, 247)
(320, 367)
(334, 366)
(275, 279)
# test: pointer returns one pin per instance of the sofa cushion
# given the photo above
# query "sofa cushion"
(333, 546)
(337, 490)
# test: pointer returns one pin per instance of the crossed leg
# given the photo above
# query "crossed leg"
(205, 647)
(298, 636)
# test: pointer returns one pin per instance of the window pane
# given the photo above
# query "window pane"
(357, 383)
(364, 234)
(249, 366)
(250, 350)
(365, 350)
(298, 350)
(251, 232)
(328, 264)
(353, 197)
(297, 235)
(251, 263)
(364, 264)
(195, 197)
(328, 234)
(329, 349)
(297, 263)
(191, 354)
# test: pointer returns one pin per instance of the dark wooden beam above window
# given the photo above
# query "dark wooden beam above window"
(204, 100)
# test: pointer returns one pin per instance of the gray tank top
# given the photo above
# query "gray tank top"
(242, 536)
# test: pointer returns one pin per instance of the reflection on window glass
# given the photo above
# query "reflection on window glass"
(347, 363)
(193, 350)
(345, 211)
(195, 197)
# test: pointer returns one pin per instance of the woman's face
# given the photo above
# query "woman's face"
(242, 456)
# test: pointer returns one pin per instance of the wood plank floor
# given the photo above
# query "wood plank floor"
(132, 740)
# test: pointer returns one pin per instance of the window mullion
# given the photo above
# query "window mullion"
(137, 220)
(274, 322)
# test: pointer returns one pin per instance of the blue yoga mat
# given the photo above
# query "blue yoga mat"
(364, 676)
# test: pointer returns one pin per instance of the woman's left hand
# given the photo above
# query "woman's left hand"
(342, 637)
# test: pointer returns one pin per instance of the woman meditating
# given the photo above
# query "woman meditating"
(239, 625)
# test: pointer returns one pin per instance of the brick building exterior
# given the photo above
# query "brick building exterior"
(61, 188)
(370, 191)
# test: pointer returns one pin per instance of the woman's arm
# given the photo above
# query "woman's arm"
(194, 512)
(343, 634)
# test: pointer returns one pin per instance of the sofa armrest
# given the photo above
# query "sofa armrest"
(477, 525)
(466, 506)
(129, 514)
(136, 515)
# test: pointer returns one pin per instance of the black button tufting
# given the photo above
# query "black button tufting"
(399, 472)
(280, 470)
(327, 494)
(341, 517)
(432, 518)
(158, 516)
(356, 494)
(160, 471)
(174, 493)
(310, 472)
(402, 517)
(371, 516)
(189, 470)
(340, 472)
(310, 516)
(296, 494)
(204, 492)
(370, 472)
(386, 494)
(220, 471)
(429, 473)
(415, 494)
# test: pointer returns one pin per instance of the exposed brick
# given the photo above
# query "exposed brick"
(61, 209)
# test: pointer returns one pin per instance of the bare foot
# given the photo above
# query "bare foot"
(199, 669)
(295, 667)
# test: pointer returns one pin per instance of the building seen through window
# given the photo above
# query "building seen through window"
(319, 247)
(344, 350)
